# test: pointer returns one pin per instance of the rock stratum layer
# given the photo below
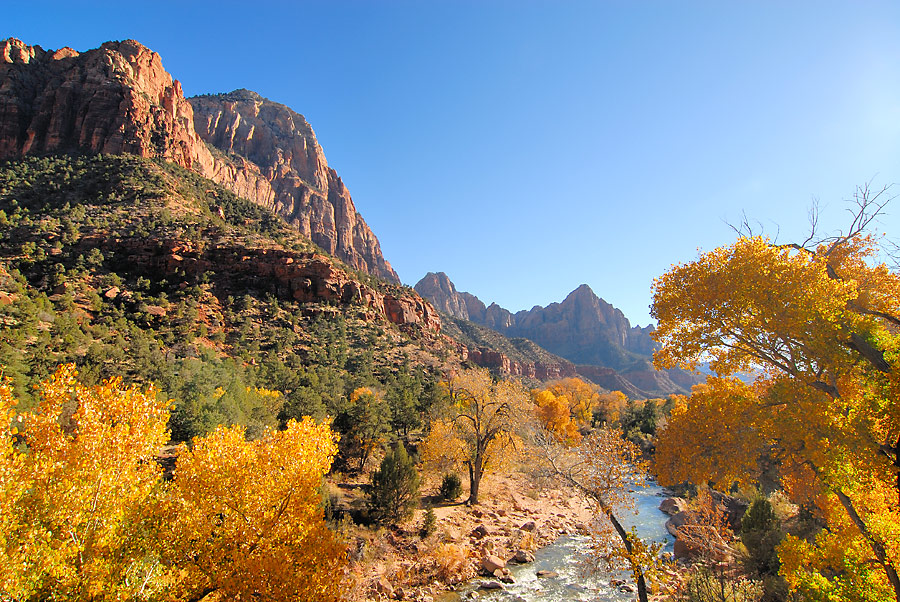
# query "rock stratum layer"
(583, 329)
(303, 277)
(119, 99)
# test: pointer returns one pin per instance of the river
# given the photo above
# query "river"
(565, 557)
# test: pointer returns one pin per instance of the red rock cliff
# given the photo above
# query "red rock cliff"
(304, 190)
(119, 99)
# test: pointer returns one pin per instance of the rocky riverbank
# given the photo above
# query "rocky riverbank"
(514, 519)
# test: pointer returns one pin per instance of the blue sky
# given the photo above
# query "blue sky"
(527, 147)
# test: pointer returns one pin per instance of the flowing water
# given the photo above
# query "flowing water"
(566, 557)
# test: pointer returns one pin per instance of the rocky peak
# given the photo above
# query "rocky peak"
(17, 51)
(278, 140)
(119, 99)
(442, 293)
(113, 99)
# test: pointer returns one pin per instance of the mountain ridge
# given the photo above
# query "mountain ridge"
(69, 123)
(583, 329)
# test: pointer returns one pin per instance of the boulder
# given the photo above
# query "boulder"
(680, 519)
(673, 505)
(686, 549)
(383, 586)
(491, 563)
(523, 556)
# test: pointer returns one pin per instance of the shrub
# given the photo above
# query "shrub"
(709, 584)
(394, 492)
(451, 487)
(451, 561)
(429, 523)
(761, 534)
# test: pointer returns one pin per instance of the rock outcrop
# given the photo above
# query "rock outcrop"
(489, 358)
(303, 277)
(113, 99)
(119, 99)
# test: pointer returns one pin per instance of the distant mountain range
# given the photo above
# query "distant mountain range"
(583, 329)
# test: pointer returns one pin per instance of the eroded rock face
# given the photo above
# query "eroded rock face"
(303, 277)
(283, 148)
(113, 99)
(119, 99)
(488, 358)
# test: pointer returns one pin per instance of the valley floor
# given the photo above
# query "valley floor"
(515, 516)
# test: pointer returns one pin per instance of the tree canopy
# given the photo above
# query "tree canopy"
(817, 324)
(481, 425)
(86, 515)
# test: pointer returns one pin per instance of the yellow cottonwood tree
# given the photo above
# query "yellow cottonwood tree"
(582, 398)
(85, 515)
(481, 427)
(611, 405)
(75, 493)
(246, 519)
(820, 325)
(555, 416)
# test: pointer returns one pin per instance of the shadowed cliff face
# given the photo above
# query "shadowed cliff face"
(119, 99)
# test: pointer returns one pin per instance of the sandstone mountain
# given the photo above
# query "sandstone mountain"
(119, 99)
(583, 329)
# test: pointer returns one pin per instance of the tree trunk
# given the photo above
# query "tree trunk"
(897, 468)
(877, 547)
(474, 482)
(623, 535)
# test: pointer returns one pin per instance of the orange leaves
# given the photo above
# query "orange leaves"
(821, 327)
(247, 517)
(554, 415)
(564, 406)
(480, 430)
(713, 435)
(750, 304)
(582, 398)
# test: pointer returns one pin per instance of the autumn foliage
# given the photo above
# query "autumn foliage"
(819, 327)
(87, 516)
(74, 499)
(481, 426)
(565, 406)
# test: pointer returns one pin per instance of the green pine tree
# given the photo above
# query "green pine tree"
(394, 492)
